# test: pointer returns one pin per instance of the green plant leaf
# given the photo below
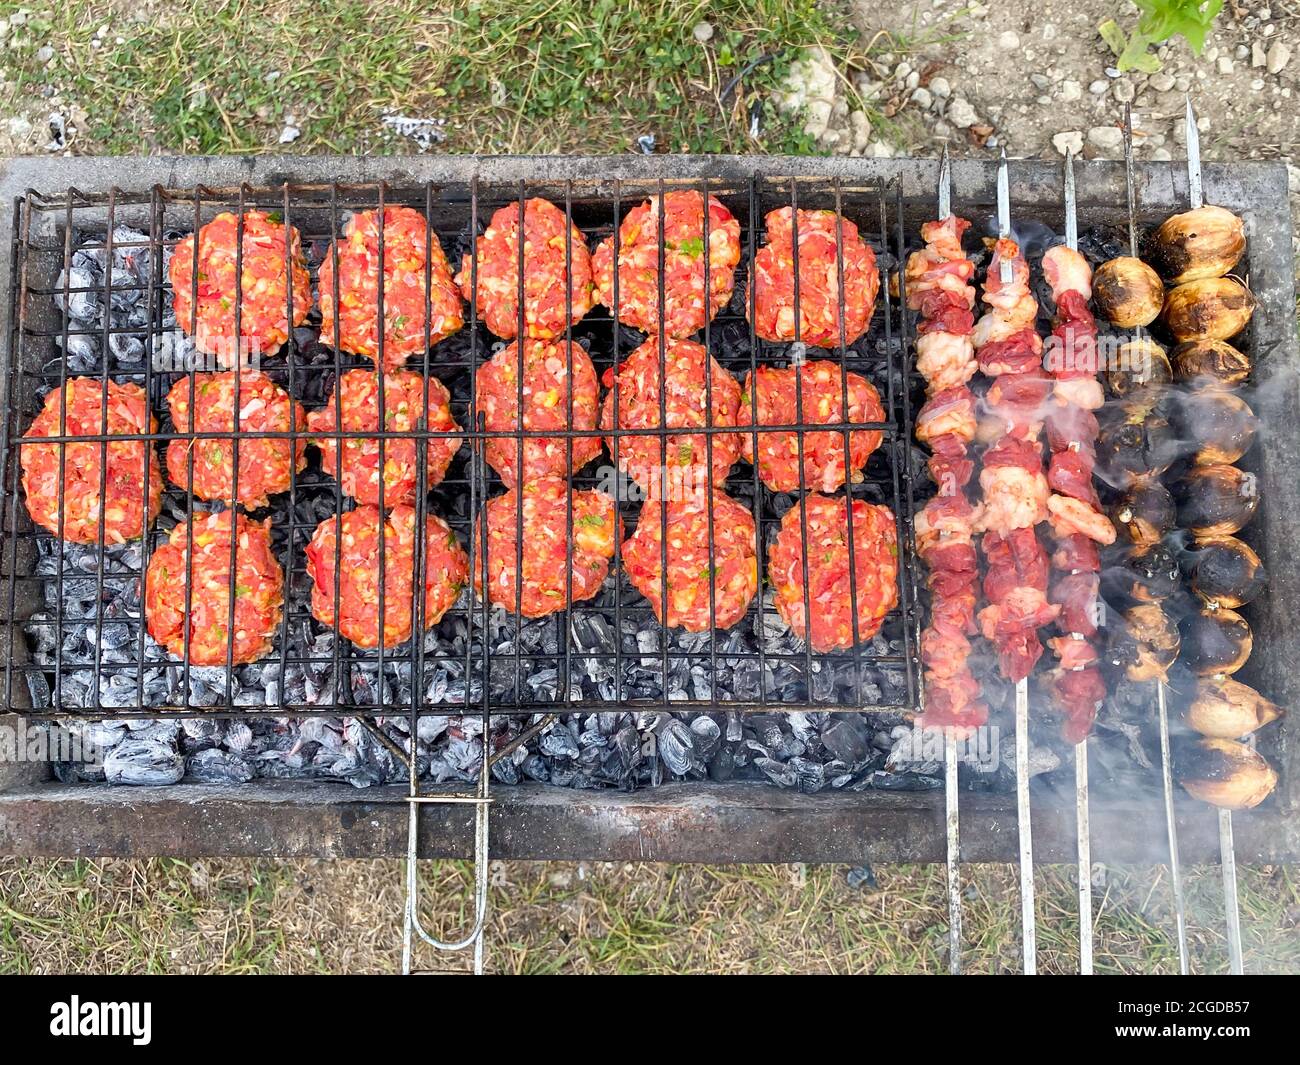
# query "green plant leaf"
(1113, 36)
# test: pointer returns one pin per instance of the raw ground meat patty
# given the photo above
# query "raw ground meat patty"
(545, 247)
(546, 408)
(822, 386)
(446, 570)
(546, 558)
(126, 516)
(685, 402)
(257, 584)
(410, 252)
(875, 570)
(819, 287)
(263, 326)
(683, 238)
(406, 396)
(264, 464)
(732, 567)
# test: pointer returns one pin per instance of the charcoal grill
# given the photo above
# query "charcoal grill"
(52, 200)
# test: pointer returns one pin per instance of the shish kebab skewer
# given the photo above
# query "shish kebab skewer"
(938, 287)
(1015, 494)
(1076, 516)
(1217, 260)
(1078, 521)
(1136, 453)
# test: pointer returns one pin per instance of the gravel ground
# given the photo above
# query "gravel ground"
(1038, 78)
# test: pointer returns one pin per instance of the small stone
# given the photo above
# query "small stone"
(1225, 65)
(922, 98)
(861, 126)
(1161, 82)
(1070, 91)
(902, 70)
(1279, 55)
(1241, 52)
(703, 32)
(1269, 30)
(941, 87)
(1256, 84)
(289, 134)
(1258, 57)
(1040, 81)
(18, 18)
(961, 114)
(20, 127)
(1069, 141)
(1123, 91)
(44, 54)
(1098, 87)
(1161, 155)
(1008, 42)
(1182, 83)
(1107, 138)
(912, 80)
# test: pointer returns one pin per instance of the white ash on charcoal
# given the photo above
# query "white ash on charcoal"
(128, 321)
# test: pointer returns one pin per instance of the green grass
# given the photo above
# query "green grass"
(210, 915)
(524, 76)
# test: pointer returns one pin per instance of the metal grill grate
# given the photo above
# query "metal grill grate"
(52, 228)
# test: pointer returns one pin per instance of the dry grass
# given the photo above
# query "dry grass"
(309, 916)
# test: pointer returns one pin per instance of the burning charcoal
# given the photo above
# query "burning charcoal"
(145, 762)
(778, 773)
(723, 766)
(211, 766)
(82, 353)
(810, 775)
(81, 306)
(201, 732)
(628, 744)
(431, 726)
(847, 738)
(535, 768)
(676, 748)
(706, 737)
(239, 737)
(127, 349)
(559, 742)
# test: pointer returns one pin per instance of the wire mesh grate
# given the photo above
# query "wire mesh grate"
(604, 653)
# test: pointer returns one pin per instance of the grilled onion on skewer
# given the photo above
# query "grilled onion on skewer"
(1206, 242)
(1227, 709)
(1210, 364)
(1127, 292)
(1217, 500)
(1213, 308)
(1226, 572)
(1221, 425)
(1225, 773)
(1215, 641)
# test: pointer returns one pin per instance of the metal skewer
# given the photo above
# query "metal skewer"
(1082, 832)
(1227, 852)
(950, 779)
(1162, 702)
(1028, 928)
